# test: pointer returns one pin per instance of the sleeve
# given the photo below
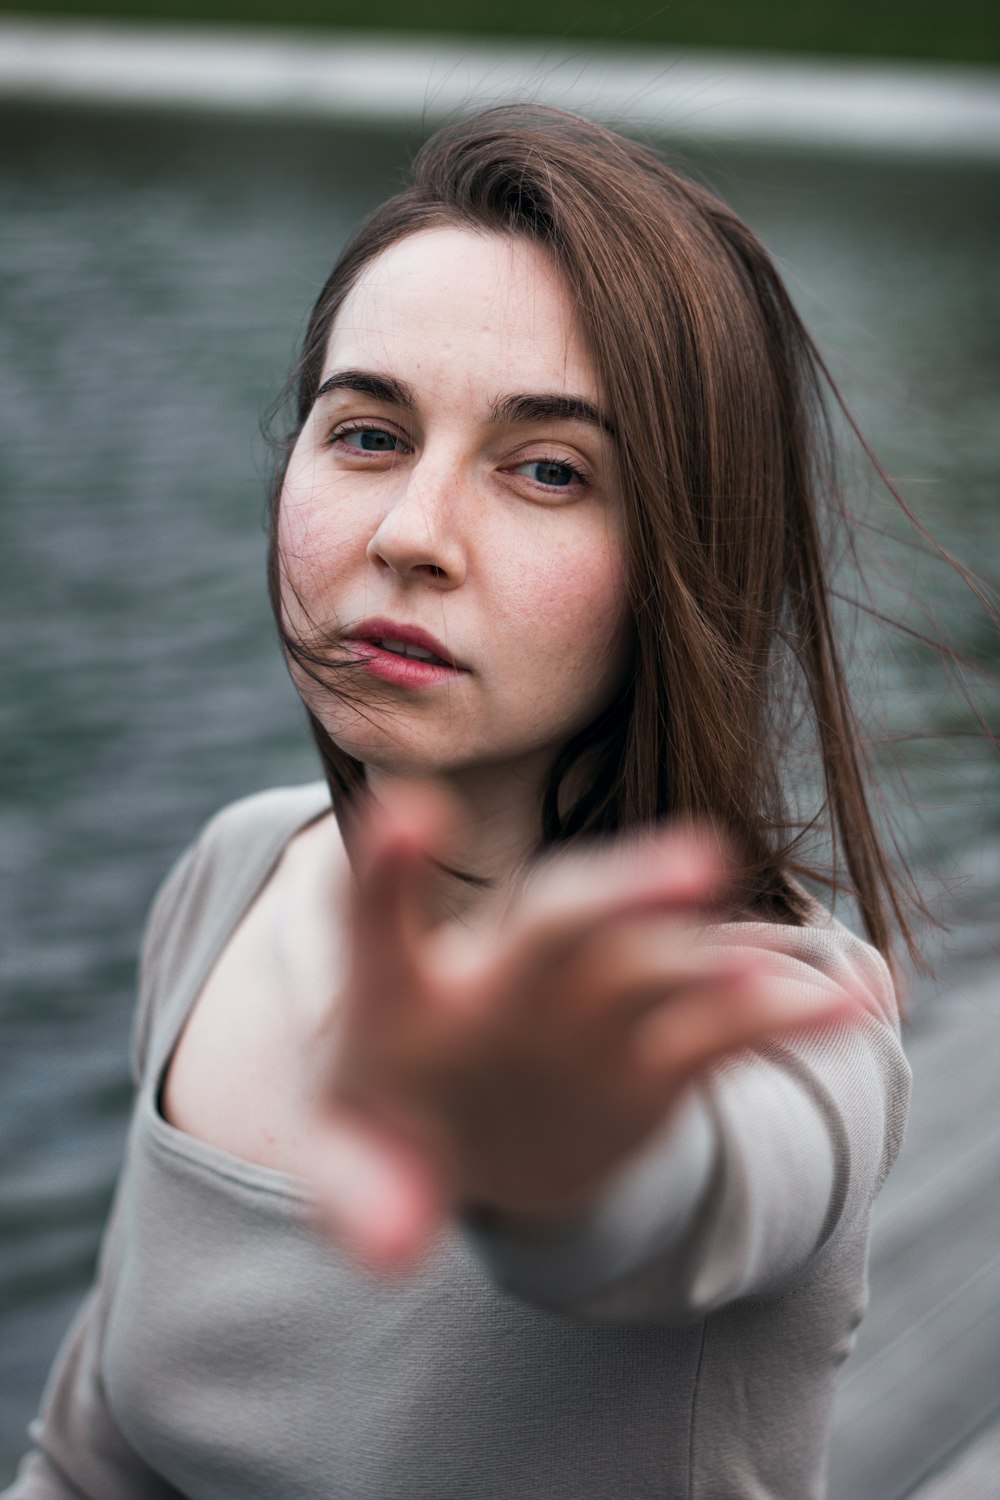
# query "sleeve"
(79, 1453)
(765, 1162)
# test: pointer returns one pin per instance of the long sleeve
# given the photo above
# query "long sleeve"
(79, 1451)
(247, 1360)
(767, 1162)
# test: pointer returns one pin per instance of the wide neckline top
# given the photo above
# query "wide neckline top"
(307, 804)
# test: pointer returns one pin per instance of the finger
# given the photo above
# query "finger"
(569, 906)
(725, 1010)
(632, 963)
(376, 1197)
(682, 867)
(397, 843)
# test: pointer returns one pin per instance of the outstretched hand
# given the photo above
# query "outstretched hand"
(512, 1065)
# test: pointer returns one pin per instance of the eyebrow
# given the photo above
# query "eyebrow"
(505, 411)
(511, 410)
(381, 387)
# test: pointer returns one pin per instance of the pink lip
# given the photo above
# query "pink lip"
(402, 671)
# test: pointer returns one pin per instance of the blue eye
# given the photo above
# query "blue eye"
(554, 475)
(370, 439)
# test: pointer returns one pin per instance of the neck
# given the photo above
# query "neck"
(498, 825)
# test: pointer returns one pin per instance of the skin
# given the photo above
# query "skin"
(413, 1044)
(450, 527)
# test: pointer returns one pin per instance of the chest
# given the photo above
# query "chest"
(245, 1359)
(248, 1065)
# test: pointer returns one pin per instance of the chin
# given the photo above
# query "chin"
(380, 751)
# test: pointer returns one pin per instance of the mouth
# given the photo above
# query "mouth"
(405, 648)
(402, 654)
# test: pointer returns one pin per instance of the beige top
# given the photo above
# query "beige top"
(680, 1340)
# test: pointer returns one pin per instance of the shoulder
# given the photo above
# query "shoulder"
(237, 844)
(277, 812)
(853, 1068)
(210, 884)
(822, 953)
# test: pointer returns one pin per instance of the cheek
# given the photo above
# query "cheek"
(312, 552)
(573, 618)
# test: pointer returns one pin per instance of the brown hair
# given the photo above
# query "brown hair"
(716, 393)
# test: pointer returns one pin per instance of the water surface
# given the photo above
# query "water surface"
(153, 275)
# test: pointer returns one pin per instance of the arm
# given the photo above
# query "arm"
(79, 1453)
(648, 1115)
(769, 1158)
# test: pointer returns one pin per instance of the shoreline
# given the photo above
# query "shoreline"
(685, 95)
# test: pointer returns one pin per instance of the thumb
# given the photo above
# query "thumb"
(376, 1196)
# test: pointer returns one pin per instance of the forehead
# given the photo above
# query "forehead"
(467, 305)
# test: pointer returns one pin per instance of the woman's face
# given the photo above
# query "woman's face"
(448, 516)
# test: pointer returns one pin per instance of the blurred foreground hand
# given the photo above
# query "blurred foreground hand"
(511, 1064)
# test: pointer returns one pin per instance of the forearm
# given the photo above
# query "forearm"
(771, 1155)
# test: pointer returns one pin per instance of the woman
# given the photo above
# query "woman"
(546, 540)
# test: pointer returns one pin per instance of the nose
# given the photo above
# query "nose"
(418, 537)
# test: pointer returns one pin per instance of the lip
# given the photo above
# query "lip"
(403, 671)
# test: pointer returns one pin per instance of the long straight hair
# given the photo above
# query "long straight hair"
(725, 474)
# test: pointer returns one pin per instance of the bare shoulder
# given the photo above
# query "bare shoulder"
(240, 1075)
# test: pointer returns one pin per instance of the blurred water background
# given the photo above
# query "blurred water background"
(154, 272)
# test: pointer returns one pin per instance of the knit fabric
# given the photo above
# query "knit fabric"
(681, 1339)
